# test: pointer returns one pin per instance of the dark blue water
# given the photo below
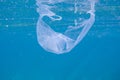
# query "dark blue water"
(97, 57)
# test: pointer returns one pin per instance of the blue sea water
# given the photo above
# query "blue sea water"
(97, 57)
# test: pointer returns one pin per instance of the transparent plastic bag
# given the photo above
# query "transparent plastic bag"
(62, 24)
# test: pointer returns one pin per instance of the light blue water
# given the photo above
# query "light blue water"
(97, 57)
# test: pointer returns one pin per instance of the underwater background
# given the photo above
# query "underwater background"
(96, 57)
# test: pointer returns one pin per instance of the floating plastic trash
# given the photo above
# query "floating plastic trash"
(62, 24)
